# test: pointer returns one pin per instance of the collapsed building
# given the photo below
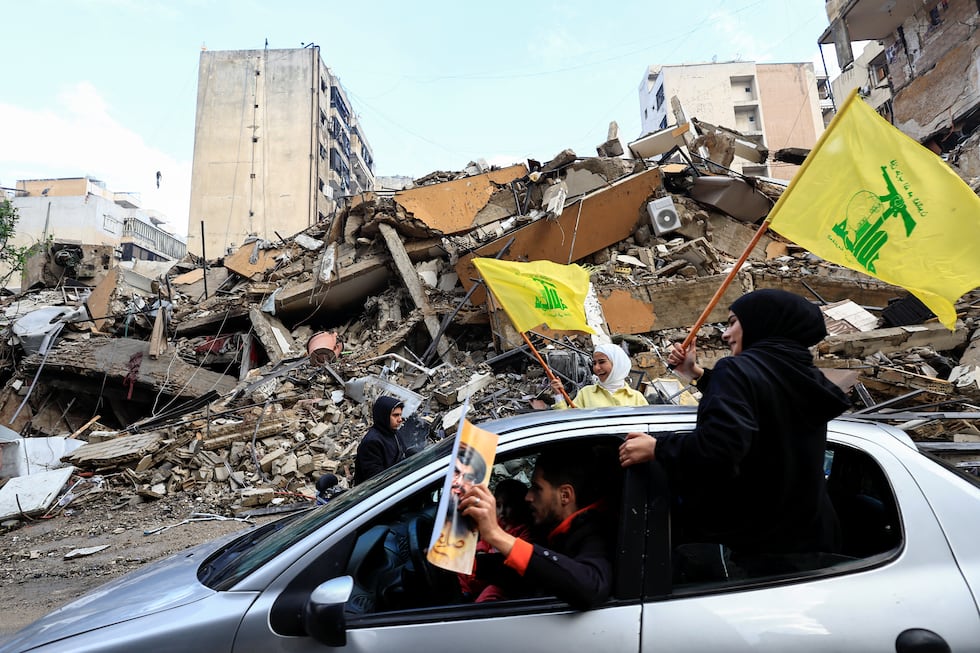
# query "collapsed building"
(243, 379)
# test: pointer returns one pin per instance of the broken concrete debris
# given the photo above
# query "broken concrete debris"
(244, 379)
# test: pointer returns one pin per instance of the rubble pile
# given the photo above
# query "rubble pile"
(243, 379)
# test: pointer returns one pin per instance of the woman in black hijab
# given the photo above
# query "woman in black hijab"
(751, 474)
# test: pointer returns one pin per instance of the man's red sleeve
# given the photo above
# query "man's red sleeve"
(519, 556)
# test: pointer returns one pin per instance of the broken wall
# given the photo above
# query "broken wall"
(459, 205)
(932, 63)
(585, 226)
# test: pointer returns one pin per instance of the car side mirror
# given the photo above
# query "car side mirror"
(323, 614)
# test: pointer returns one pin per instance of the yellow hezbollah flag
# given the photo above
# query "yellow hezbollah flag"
(870, 198)
(539, 292)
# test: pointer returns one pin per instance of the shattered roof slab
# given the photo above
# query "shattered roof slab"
(350, 285)
(596, 221)
(659, 142)
(454, 207)
(111, 357)
(116, 451)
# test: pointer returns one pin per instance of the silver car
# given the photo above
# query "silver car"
(351, 575)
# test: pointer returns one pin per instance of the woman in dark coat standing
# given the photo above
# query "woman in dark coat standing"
(751, 475)
(380, 448)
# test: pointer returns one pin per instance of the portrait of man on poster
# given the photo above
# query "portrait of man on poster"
(454, 545)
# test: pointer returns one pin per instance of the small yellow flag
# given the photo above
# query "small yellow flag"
(870, 198)
(538, 292)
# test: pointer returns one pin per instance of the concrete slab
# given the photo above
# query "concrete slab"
(32, 494)
(451, 207)
(596, 221)
(26, 456)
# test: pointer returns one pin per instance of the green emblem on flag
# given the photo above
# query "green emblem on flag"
(548, 300)
(869, 213)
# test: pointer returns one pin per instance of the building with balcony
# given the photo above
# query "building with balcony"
(826, 93)
(84, 210)
(775, 106)
(924, 79)
(277, 147)
(84, 214)
(868, 73)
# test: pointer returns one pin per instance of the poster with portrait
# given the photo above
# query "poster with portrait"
(453, 543)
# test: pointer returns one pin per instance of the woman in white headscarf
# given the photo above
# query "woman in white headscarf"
(611, 367)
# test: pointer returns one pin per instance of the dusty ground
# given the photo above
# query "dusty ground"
(35, 577)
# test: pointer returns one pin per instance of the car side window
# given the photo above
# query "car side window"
(388, 559)
(388, 562)
(864, 502)
(870, 530)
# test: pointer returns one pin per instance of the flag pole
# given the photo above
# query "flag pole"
(547, 370)
(724, 284)
(765, 224)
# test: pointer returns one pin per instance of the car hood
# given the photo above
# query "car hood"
(161, 585)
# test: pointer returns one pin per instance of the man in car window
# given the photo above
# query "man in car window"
(572, 558)
(470, 468)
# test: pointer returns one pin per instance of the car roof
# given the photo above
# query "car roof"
(573, 415)
(585, 417)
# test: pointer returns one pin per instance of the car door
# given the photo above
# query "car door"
(856, 606)
(538, 624)
(534, 626)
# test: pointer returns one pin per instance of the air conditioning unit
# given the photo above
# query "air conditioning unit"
(663, 215)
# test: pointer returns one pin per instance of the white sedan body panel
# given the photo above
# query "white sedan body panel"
(858, 611)
(612, 629)
(255, 590)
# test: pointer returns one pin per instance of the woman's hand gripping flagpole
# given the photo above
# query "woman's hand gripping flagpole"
(539, 292)
(547, 370)
(724, 286)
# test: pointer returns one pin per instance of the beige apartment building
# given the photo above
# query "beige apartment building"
(83, 214)
(776, 106)
(277, 148)
(868, 73)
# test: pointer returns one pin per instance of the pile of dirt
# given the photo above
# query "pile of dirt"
(37, 577)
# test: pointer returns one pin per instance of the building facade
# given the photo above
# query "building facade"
(774, 105)
(868, 73)
(81, 215)
(83, 210)
(277, 148)
(925, 79)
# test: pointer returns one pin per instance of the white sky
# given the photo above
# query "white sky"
(108, 88)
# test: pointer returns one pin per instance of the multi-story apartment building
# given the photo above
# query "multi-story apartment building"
(95, 226)
(276, 147)
(868, 73)
(925, 79)
(825, 90)
(774, 105)
(83, 210)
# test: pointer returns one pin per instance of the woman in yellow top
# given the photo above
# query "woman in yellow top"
(611, 366)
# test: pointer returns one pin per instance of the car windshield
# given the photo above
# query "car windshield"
(236, 560)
